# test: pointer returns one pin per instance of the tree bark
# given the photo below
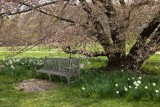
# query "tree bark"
(116, 61)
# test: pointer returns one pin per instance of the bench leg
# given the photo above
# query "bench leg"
(79, 76)
(68, 80)
(49, 77)
(34, 73)
(60, 77)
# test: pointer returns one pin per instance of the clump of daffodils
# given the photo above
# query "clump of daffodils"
(137, 83)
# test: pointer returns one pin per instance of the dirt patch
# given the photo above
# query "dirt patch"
(34, 85)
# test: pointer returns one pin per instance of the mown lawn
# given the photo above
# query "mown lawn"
(62, 97)
(75, 96)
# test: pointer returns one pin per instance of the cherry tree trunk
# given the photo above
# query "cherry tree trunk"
(120, 61)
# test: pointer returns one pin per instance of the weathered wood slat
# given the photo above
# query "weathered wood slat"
(65, 67)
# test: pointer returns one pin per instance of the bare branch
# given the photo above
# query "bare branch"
(122, 2)
(27, 10)
(97, 25)
(141, 41)
(141, 3)
(150, 48)
(150, 28)
(68, 50)
(34, 44)
(3, 43)
(155, 40)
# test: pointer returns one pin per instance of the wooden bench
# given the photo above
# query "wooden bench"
(63, 67)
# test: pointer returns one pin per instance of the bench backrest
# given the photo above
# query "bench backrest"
(62, 64)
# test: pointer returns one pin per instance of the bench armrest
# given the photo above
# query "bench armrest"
(35, 67)
(37, 64)
(69, 69)
(72, 67)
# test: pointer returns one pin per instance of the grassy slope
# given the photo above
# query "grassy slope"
(64, 96)
(9, 97)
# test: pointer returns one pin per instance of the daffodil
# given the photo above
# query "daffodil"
(139, 82)
(116, 85)
(12, 66)
(125, 89)
(130, 86)
(154, 84)
(83, 88)
(140, 78)
(157, 91)
(136, 87)
(146, 87)
(117, 92)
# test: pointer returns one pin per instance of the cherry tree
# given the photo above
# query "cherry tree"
(108, 22)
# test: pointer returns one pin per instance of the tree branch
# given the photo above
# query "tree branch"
(122, 2)
(154, 41)
(150, 48)
(142, 50)
(27, 10)
(146, 33)
(68, 50)
(141, 3)
(3, 43)
(96, 25)
(41, 11)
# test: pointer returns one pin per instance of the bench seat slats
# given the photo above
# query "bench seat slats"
(64, 74)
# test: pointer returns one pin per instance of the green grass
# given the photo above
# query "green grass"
(36, 54)
(152, 65)
(64, 96)
(95, 94)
